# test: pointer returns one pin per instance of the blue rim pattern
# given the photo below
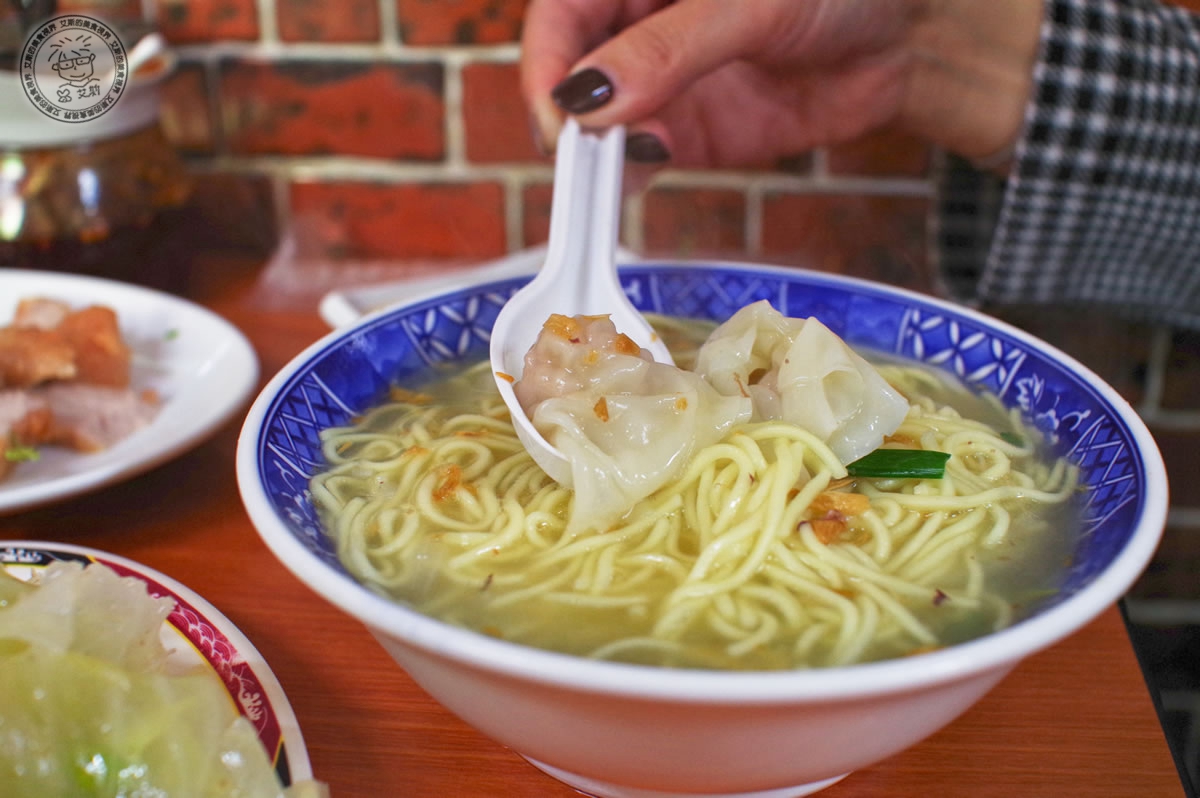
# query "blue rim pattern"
(356, 369)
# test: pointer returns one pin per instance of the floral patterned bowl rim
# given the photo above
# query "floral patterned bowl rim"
(350, 369)
(195, 633)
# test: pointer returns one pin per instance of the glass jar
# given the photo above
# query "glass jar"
(87, 207)
(88, 197)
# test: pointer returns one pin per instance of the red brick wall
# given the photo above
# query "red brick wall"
(361, 113)
(352, 115)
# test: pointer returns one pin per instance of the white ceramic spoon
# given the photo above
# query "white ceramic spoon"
(578, 277)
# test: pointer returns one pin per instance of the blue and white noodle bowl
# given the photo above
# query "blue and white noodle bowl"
(628, 730)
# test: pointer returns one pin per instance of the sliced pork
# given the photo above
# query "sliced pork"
(29, 356)
(49, 341)
(101, 356)
(93, 417)
(25, 420)
(65, 380)
(45, 314)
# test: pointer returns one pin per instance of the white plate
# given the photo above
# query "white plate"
(346, 306)
(200, 365)
(195, 633)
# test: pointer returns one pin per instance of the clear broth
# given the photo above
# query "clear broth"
(1023, 570)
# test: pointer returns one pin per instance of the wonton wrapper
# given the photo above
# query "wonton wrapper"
(799, 371)
(627, 424)
(657, 417)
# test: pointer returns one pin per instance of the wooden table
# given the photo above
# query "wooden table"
(1076, 720)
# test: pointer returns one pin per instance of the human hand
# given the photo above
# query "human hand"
(724, 83)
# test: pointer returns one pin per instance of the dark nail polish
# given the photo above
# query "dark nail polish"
(646, 148)
(584, 91)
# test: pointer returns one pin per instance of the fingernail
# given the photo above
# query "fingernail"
(584, 91)
(646, 148)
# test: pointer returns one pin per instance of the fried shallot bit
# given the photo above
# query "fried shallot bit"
(624, 345)
(681, 403)
(398, 394)
(847, 504)
(569, 355)
(828, 530)
(449, 481)
(562, 326)
(841, 484)
(506, 377)
(925, 649)
(903, 440)
(601, 409)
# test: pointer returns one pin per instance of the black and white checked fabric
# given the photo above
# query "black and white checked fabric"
(1102, 205)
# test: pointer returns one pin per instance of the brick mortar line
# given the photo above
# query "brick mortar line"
(816, 184)
(365, 170)
(453, 121)
(268, 22)
(389, 24)
(343, 167)
(367, 51)
(514, 214)
(753, 228)
(281, 196)
(820, 163)
(633, 222)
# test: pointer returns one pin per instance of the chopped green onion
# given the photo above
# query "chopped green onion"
(171, 334)
(20, 454)
(1012, 437)
(900, 464)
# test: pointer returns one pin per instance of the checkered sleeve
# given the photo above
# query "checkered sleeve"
(1102, 205)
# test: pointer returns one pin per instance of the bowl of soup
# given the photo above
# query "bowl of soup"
(754, 617)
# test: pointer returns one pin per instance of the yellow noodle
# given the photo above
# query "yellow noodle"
(444, 509)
